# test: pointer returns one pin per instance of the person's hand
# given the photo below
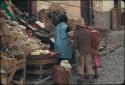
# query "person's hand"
(70, 33)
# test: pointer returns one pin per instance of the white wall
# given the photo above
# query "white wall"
(97, 5)
(107, 5)
(102, 13)
(42, 5)
(103, 6)
(72, 11)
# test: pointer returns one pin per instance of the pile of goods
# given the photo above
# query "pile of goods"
(18, 44)
(42, 54)
(102, 46)
(21, 39)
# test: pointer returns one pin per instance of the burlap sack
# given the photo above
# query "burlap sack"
(9, 39)
(28, 50)
(16, 49)
(5, 28)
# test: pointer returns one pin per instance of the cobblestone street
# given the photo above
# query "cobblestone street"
(112, 71)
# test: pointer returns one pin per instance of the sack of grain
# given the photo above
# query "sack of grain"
(9, 39)
(5, 28)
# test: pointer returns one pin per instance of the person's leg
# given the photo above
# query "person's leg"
(80, 66)
(94, 67)
(97, 64)
(96, 74)
(88, 62)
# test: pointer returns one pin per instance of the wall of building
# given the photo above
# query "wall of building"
(102, 11)
(74, 10)
(108, 17)
(103, 6)
(72, 7)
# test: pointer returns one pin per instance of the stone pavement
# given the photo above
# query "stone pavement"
(112, 71)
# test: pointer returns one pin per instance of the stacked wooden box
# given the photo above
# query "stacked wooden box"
(39, 61)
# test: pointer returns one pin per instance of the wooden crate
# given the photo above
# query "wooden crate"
(21, 64)
(40, 63)
(11, 65)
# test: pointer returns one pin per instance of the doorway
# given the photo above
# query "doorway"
(85, 11)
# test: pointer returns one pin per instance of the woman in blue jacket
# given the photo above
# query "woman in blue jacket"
(62, 41)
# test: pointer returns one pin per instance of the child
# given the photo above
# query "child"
(95, 52)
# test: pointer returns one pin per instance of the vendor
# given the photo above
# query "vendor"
(62, 41)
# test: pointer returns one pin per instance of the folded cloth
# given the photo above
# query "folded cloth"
(65, 64)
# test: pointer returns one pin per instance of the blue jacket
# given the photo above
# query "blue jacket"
(62, 42)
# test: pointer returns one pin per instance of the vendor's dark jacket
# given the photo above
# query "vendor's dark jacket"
(82, 38)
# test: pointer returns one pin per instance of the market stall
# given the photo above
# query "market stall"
(11, 63)
(19, 46)
(27, 45)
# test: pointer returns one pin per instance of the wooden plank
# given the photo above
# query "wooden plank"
(42, 71)
(38, 72)
(39, 62)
